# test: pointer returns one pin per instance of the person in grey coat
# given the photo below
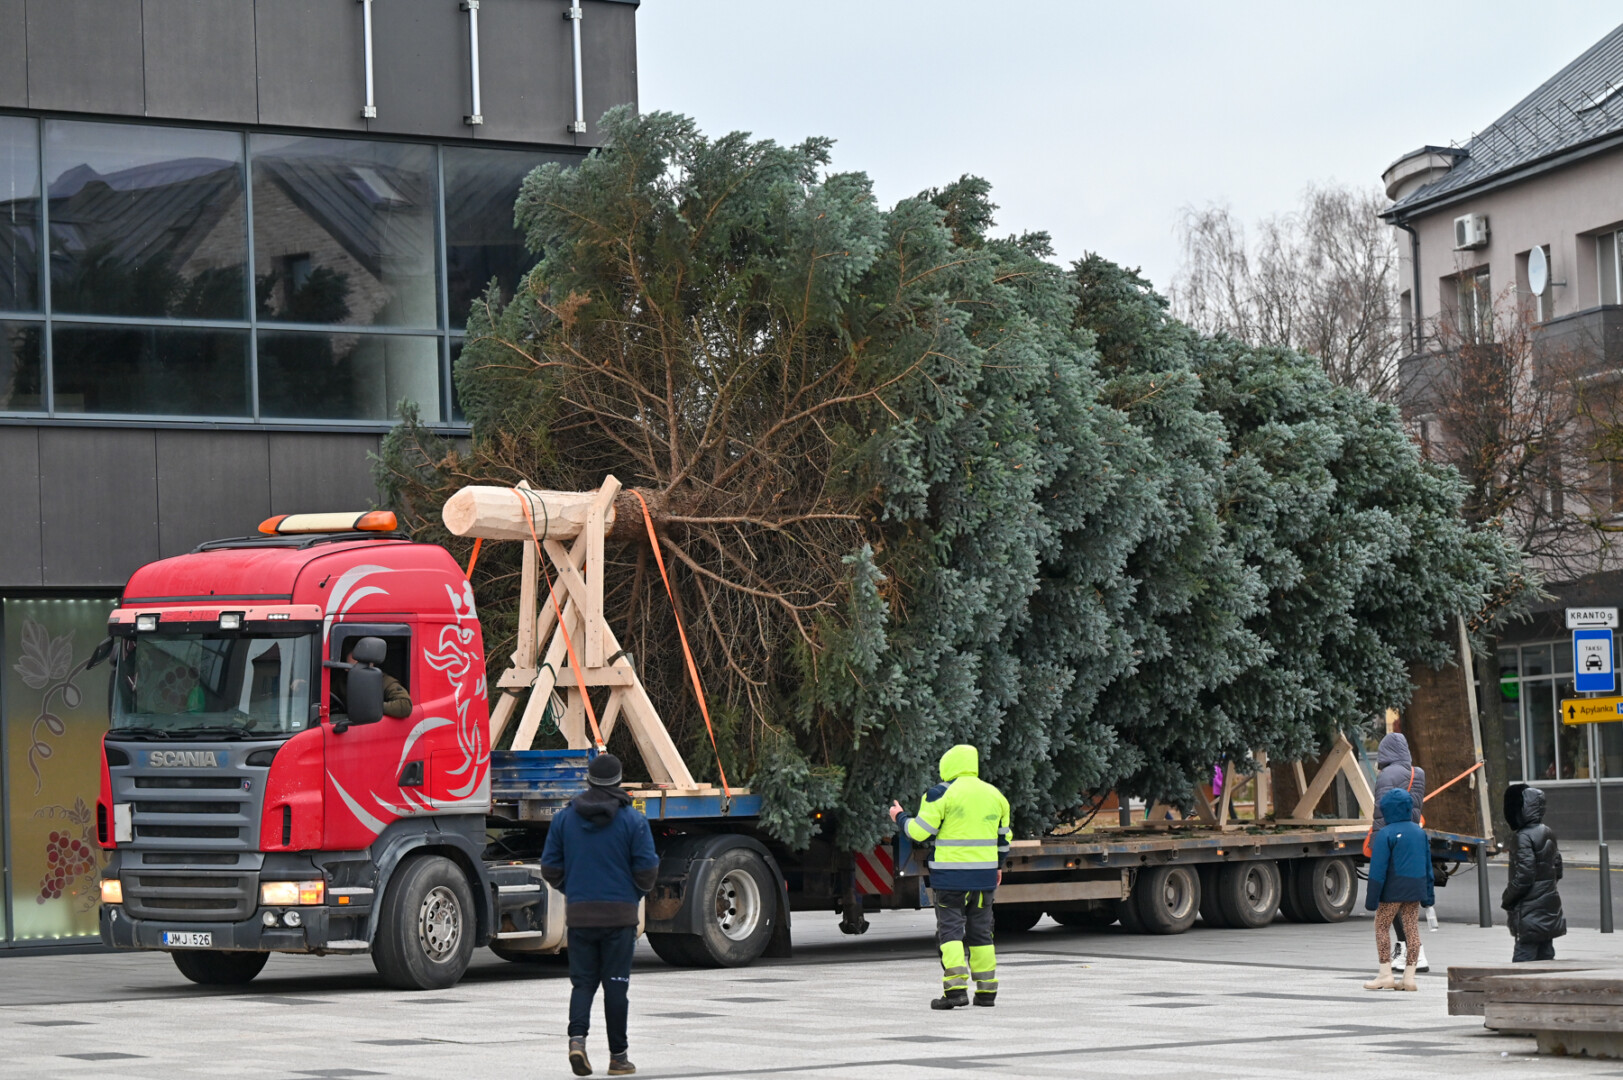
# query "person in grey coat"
(1395, 769)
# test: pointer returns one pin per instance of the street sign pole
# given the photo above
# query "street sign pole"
(1600, 833)
(1594, 672)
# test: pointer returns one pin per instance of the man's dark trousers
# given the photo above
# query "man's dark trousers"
(601, 955)
(1532, 950)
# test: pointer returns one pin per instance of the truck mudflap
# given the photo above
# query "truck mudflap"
(312, 935)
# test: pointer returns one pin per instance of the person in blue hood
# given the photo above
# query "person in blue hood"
(1400, 880)
(1395, 768)
(600, 855)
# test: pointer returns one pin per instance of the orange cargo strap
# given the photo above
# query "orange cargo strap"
(693, 669)
(563, 628)
(1452, 782)
(478, 542)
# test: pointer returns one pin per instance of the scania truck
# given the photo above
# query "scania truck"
(255, 798)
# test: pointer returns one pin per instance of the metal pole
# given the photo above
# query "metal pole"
(477, 116)
(1600, 833)
(1484, 901)
(369, 111)
(574, 14)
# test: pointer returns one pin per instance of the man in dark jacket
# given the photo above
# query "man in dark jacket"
(600, 855)
(1400, 881)
(1531, 899)
(1396, 769)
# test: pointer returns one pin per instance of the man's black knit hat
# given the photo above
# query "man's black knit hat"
(604, 771)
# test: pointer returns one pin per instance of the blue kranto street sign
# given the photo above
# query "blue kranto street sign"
(1592, 662)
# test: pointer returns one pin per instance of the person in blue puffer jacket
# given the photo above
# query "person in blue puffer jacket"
(1400, 880)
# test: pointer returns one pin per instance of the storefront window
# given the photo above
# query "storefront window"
(151, 370)
(21, 385)
(52, 716)
(1533, 681)
(344, 231)
(146, 221)
(1510, 705)
(19, 214)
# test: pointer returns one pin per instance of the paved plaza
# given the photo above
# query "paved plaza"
(1280, 1002)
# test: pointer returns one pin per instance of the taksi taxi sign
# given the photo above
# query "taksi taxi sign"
(1594, 710)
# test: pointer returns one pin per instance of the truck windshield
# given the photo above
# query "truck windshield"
(166, 685)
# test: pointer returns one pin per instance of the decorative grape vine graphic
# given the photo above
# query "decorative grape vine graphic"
(46, 664)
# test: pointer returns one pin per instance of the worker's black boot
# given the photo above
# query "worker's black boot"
(986, 1001)
(577, 1058)
(952, 999)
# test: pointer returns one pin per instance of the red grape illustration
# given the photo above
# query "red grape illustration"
(68, 857)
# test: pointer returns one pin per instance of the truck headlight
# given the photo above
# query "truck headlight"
(112, 891)
(292, 893)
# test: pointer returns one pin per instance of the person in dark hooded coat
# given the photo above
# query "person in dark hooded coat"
(600, 855)
(1530, 898)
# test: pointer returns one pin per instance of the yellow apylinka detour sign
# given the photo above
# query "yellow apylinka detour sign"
(1594, 710)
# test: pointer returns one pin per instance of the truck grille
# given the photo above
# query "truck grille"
(188, 809)
(191, 894)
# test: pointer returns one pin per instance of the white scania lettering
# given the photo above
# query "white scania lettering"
(182, 759)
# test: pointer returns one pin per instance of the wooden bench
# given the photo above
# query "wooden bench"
(1467, 985)
(1569, 1013)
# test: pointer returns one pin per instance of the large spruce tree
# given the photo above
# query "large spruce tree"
(918, 485)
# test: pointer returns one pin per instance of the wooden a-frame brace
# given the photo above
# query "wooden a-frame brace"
(577, 589)
(1340, 761)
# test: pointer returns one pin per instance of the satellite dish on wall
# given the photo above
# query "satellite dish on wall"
(1538, 271)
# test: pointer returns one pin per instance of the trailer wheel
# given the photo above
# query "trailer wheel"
(1326, 889)
(1168, 898)
(1248, 893)
(1094, 915)
(425, 936)
(1211, 905)
(1290, 904)
(215, 967)
(737, 905)
(1127, 910)
(1015, 918)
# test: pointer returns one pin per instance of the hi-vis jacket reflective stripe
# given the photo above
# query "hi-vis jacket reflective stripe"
(968, 821)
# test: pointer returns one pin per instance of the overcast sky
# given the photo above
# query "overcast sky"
(1099, 122)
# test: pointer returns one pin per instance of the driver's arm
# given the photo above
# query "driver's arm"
(396, 698)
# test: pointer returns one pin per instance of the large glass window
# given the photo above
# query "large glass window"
(344, 231)
(161, 371)
(481, 242)
(146, 221)
(1533, 681)
(21, 367)
(19, 214)
(347, 376)
(216, 275)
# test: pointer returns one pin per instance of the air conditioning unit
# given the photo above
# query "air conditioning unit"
(1470, 231)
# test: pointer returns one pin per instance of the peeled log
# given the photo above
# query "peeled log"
(496, 513)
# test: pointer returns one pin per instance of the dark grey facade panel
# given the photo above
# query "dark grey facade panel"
(210, 484)
(608, 61)
(98, 497)
(527, 71)
(420, 49)
(13, 55)
(310, 63)
(321, 473)
(19, 507)
(199, 57)
(85, 56)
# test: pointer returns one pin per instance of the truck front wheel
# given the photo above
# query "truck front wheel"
(425, 935)
(213, 967)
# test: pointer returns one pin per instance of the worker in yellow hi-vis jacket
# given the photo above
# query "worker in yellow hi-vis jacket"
(968, 821)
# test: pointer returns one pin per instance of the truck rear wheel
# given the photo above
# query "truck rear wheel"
(1326, 889)
(1248, 893)
(425, 936)
(736, 901)
(1168, 898)
(214, 967)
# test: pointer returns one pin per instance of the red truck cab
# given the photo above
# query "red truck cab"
(246, 810)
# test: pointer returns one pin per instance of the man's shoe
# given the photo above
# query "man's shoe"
(577, 1058)
(952, 999)
(620, 1065)
(986, 1001)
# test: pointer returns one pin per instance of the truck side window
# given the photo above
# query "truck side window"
(396, 664)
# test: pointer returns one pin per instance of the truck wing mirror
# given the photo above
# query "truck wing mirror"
(100, 653)
(365, 694)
